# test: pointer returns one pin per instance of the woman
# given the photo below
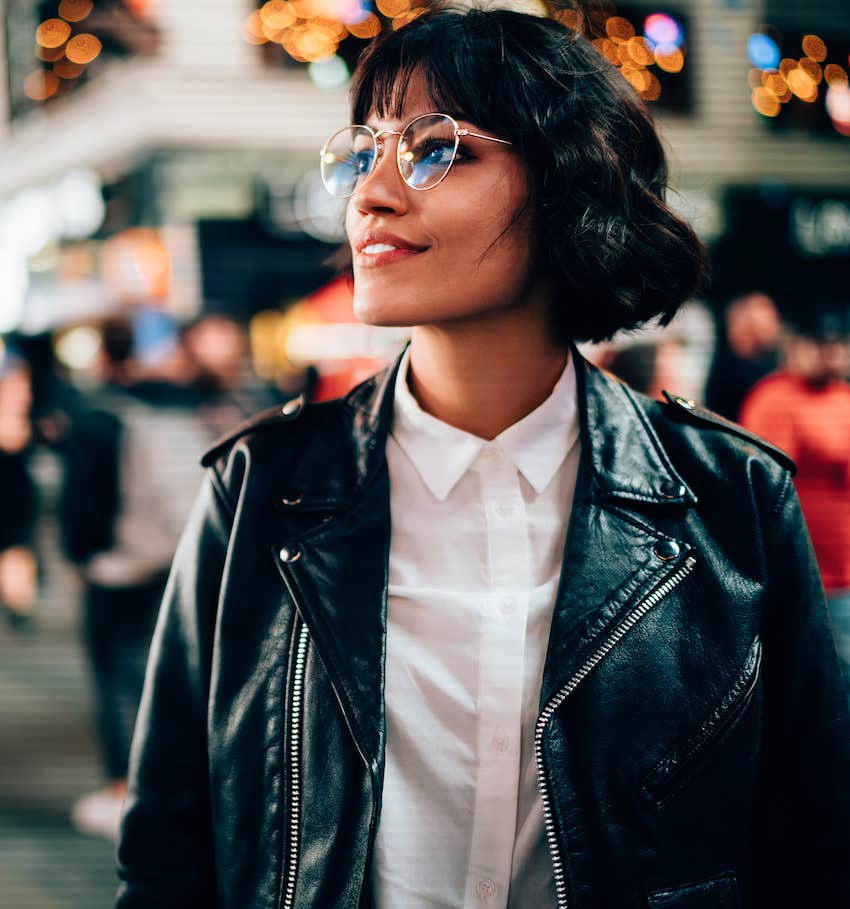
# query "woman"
(385, 674)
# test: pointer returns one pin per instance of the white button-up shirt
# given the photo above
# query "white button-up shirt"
(478, 532)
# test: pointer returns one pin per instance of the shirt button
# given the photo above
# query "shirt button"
(504, 510)
(501, 742)
(486, 889)
(507, 605)
(491, 455)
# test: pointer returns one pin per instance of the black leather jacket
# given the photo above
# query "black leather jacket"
(693, 742)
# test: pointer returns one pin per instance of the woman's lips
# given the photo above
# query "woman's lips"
(385, 256)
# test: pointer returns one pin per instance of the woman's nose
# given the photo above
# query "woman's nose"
(383, 190)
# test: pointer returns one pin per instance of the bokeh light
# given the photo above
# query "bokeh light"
(670, 59)
(652, 91)
(368, 28)
(83, 48)
(765, 102)
(276, 15)
(75, 10)
(619, 30)
(802, 84)
(663, 29)
(40, 85)
(814, 47)
(52, 33)
(834, 74)
(640, 51)
(838, 107)
(763, 51)
(329, 74)
(50, 54)
(65, 69)
(393, 8)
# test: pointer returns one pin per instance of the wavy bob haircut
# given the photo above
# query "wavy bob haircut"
(616, 254)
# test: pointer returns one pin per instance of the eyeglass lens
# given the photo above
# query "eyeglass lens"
(426, 151)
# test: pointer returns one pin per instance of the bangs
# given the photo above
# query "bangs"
(449, 56)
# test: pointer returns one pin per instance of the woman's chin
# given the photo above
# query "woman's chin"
(389, 313)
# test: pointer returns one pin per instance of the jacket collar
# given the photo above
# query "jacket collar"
(626, 459)
(339, 580)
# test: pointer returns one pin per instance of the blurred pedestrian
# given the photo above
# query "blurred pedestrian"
(18, 564)
(129, 479)
(746, 351)
(805, 410)
(494, 629)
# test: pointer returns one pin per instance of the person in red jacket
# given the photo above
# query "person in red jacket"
(804, 408)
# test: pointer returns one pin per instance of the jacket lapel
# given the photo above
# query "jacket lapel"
(336, 568)
(614, 556)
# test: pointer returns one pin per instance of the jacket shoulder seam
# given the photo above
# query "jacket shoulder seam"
(687, 409)
(267, 419)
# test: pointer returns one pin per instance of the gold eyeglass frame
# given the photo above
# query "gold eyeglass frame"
(377, 137)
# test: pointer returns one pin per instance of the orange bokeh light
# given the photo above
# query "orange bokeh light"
(814, 47)
(83, 48)
(277, 14)
(608, 49)
(670, 61)
(754, 78)
(252, 29)
(802, 84)
(652, 92)
(619, 30)
(52, 33)
(50, 54)
(67, 70)
(637, 78)
(640, 51)
(75, 10)
(40, 85)
(786, 64)
(368, 28)
(811, 69)
(393, 8)
(765, 102)
(774, 83)
(835, 74)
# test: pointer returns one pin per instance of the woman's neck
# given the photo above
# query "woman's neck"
(485, 375)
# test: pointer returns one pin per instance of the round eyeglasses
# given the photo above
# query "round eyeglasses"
(427, 148)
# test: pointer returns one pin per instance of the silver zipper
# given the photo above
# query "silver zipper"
(295, 769)
(549, 710)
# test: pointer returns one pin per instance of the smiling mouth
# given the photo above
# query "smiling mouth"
(377, 254)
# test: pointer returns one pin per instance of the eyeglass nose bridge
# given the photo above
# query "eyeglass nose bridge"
(379, 140)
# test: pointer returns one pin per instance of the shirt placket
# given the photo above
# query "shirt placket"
(500, 684)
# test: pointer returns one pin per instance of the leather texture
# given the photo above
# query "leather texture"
(694, 723)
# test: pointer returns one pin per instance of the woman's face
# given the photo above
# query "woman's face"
(472, 252)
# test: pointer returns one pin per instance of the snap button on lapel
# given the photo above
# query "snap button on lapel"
(666, 550)
(292, 406)
(290, 554)
(670, 489)
(294, 498)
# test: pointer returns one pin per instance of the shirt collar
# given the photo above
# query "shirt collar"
(536, 445)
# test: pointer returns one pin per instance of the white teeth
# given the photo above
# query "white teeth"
(374, 248)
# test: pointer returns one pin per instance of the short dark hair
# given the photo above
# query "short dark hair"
(606, 236)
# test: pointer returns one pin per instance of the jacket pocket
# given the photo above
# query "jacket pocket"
(719, 892)
(673, 770)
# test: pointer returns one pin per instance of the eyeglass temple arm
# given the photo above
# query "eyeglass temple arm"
(466, 132)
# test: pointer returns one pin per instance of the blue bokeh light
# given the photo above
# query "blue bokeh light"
(763, 51)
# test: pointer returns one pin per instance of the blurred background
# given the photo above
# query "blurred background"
(165, 243)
